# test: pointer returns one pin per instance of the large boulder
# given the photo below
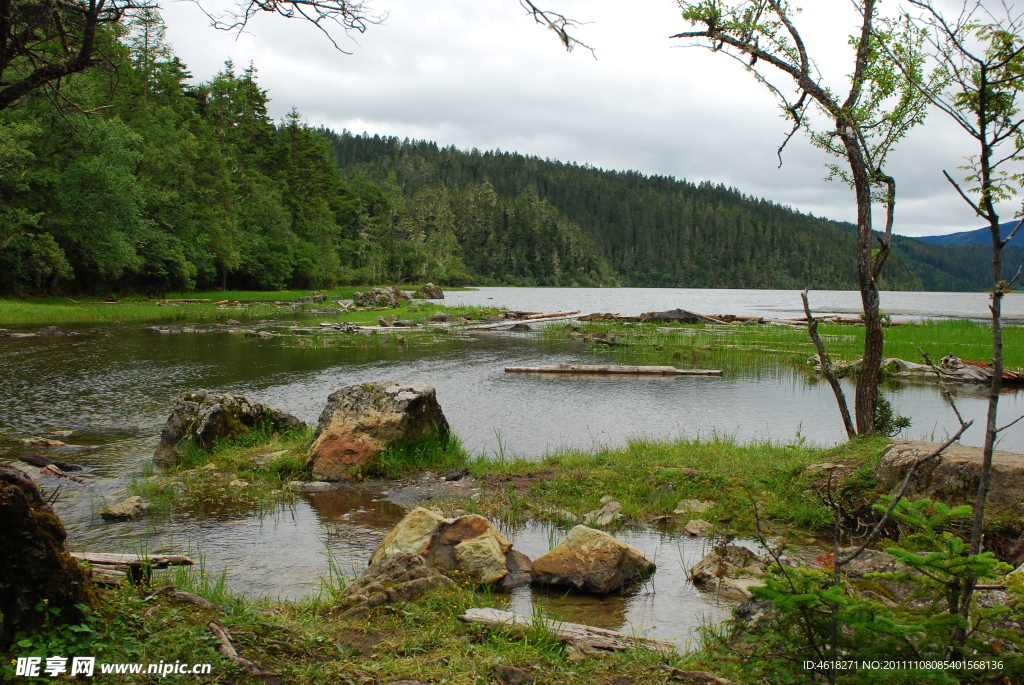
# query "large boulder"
(468, 545)
(728, 570)
(35, 568)
(429, 292)
(360, 421)
(952, 477)
(399, 578)
(589, 560)
(202, 417)
(381, 297)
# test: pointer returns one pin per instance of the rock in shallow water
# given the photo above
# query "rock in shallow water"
(203, 417)
(125, 509)
(589, 560)
(468, 545)
(360, 421)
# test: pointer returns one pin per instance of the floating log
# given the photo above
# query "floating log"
(610, 369)
(598, 638)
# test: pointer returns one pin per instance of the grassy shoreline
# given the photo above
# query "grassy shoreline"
(746, 346)
(195, 306)
(309, 641)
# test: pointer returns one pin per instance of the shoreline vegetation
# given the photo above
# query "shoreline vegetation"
(734, 346)
(772, 488)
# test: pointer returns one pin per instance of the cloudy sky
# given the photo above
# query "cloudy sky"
(481, 73)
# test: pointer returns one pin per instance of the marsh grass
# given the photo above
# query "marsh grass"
(757, 346)
(179, 307)
(649, 478)
(202, 480)
(435, 452)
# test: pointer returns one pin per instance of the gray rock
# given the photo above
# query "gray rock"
(695, 506)
(360, 421)
(697, 527)
(604, 516)
(125, 509)
(381, 297)
(311, 485)
(952, 477)
(429, 292)
(203, 417)
(729, 570)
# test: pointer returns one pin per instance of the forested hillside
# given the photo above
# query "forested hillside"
(653, 230)
(133, 178)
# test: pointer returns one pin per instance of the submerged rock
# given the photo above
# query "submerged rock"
(360, 421)
(468, 545)
(589, 560)
(202, 417)
(53, 331)
(952, 477)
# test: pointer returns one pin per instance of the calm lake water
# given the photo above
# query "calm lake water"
(115, 384)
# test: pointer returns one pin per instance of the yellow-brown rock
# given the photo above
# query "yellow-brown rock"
(360, 421)
(589, 560)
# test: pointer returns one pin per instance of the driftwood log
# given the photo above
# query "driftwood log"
(598, 638)
(113, 569)
(611, 369)
(227, 649)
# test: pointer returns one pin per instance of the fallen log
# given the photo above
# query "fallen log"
(512, 322)
(609, 369)
(152, 560)
(40, 460)
(598, 638)
(227, 649)
(550, 315)
(112, 569)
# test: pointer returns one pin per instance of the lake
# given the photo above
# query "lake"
(115, 385)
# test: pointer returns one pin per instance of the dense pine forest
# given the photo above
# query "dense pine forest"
(133, 178)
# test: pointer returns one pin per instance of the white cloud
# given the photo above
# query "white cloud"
(480, 73)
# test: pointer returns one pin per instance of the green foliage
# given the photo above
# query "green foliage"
(887, 421)
(819, 618)
(436, 452)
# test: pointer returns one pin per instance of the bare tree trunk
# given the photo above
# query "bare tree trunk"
(870, 371)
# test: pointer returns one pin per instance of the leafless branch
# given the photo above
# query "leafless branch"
(826, 368)
(562, 25)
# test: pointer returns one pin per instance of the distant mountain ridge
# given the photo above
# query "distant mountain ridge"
(982, 236)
